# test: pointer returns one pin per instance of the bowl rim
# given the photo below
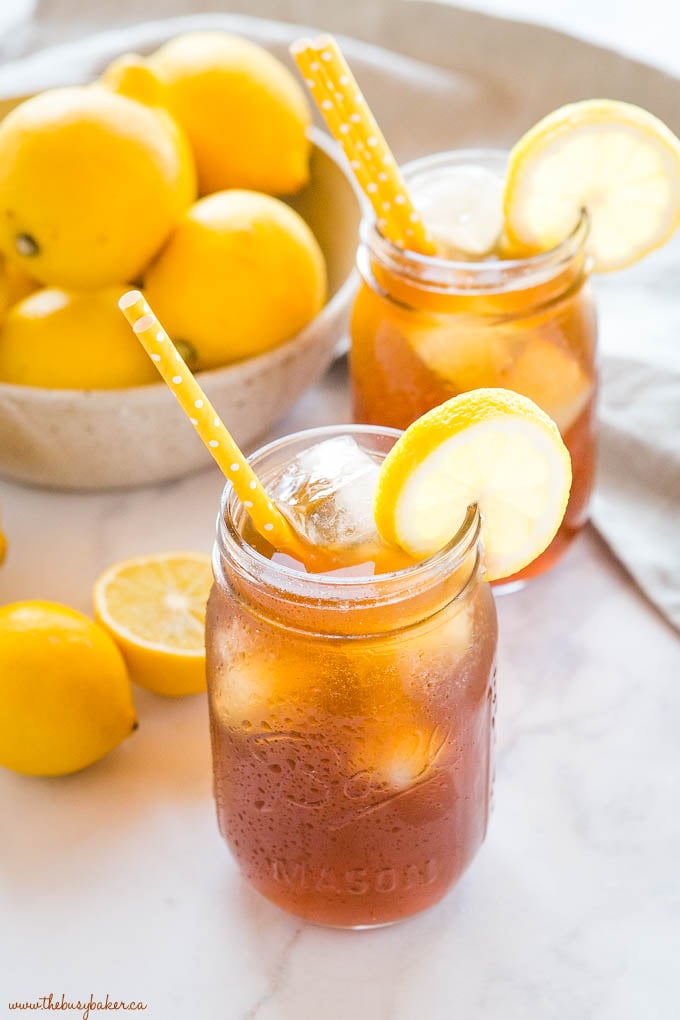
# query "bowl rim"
(139, 394)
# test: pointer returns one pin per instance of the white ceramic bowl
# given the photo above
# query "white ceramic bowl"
(99, 439)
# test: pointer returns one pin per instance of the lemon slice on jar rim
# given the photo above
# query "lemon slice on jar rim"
(490, 447)
(614, 160)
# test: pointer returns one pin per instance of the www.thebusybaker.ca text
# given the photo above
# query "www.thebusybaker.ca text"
(84, 1007)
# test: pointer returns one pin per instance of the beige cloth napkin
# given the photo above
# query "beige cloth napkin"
(440, 77)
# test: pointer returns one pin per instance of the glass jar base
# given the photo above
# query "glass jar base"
(336, 926)
(509, 587)
(362, 927)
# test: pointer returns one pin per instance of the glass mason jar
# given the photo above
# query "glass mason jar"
(425, 329)
(351, 718)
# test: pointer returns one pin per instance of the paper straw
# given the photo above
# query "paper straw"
(267, 519)
(350, 121)
(371, 180)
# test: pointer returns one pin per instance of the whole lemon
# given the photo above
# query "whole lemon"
(4, 290)
(245, 114)
(241, 273)
(91, 184)
(64, 689)
(62, 339)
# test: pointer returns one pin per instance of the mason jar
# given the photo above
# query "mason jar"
(351, 717)
(427, 328)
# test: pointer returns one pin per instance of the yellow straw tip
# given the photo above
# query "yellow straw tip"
(322, 41)
(130, 299)
(146, 322)
(300, 46)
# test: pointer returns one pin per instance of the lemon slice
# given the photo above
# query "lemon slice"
(617, 161)
(154, 609)
(491, 447)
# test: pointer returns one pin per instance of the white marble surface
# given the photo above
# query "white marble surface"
(115, 880)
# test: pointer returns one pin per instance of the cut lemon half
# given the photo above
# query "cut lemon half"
(154, 609)
(618, 162)
(489, 447)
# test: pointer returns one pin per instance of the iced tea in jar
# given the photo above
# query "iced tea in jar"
(352, 711)
(427, 328)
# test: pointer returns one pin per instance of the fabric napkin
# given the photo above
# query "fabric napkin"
(439, 77)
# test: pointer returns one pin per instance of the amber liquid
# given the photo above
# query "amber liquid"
(539, 341)
(353, 773)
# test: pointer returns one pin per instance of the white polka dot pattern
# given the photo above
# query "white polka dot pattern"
(336, 93)
(158, 345)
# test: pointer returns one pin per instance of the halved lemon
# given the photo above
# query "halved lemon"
(154, 609)
(618, 162)
(491, 447)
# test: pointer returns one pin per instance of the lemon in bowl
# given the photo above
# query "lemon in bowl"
(56, 337)
(81, 438)
(241, 274)
(245, 114)
(91, 184)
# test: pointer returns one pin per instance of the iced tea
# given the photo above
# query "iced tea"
(425, 329)
(352, 711)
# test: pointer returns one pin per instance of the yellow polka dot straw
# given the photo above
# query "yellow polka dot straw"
(342, 105)
(268, 520)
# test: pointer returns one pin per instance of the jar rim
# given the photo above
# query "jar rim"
(327, 589)
(470, 276)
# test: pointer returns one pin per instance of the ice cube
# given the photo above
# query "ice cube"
(404, 761)
(509, 357)
(244, 678)
(255, 682)
(399, 758)
(462, 207)
(327, 493)
(243, 692)
(248, 676)
(466, 358)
